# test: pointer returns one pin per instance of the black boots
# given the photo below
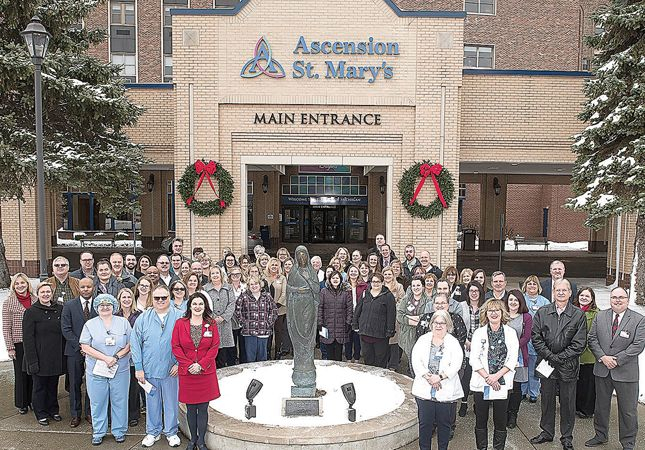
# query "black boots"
(512, 420)
(463, 409)
(499, 439)
(481, 438)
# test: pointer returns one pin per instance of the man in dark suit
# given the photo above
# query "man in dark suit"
(557, 270)
(616, 338)
(75, 313)
(559, 335)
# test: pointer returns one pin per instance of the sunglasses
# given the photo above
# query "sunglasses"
(179, 289)
(161, 299)
(60, 265)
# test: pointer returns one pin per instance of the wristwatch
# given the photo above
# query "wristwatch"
(116, 355)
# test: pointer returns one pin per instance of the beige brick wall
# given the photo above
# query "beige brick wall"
(155, 129)
(427, 74)
(520, 118)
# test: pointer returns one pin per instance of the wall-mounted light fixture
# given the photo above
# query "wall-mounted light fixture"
(496, 186)
(382, 185)
(265, 184)
(151, 182)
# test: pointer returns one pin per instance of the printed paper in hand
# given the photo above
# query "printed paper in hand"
(101, 369)
(324, 332)
(146, 386)
(492, 394)
(544, 368)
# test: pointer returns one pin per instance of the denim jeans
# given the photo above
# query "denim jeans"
(255, 348)
(163, 399)
(531, 387)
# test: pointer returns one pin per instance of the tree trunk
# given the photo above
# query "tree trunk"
(5, 279)
(638, 285)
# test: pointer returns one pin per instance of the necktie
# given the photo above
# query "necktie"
(86, 311)
(614, 326)
(103, 288)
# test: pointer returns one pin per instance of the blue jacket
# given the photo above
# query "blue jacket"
(150, 343)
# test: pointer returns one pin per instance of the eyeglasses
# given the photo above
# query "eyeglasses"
(561, 290)
(60, 265)
(236, 274)
(87, 260)
(163, 263)
(440, 323)
(105, 305)
(178, 289)
(618, 297)
(160, 299)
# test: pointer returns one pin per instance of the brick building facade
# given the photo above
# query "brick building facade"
(491, 93)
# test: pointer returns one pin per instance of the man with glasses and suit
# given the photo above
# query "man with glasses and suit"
(616, 338)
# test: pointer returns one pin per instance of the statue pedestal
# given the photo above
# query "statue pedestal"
(295, 407)
(303, 392)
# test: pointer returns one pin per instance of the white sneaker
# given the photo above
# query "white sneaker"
(150, 440)
(174, 441)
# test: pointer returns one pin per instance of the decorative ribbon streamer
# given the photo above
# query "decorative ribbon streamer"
(205, 170)
(426, 170)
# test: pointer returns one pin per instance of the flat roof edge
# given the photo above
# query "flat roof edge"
(233, 11)
(149, 86)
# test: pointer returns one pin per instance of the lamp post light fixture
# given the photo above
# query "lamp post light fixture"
(37, 40)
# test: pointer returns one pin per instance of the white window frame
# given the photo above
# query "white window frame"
(123, 54)
(479, 9)
(123, 13)
(136, 34)
(478, 46)
(163, 25)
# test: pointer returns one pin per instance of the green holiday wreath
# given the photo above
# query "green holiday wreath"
(219, 180)
(412, 181)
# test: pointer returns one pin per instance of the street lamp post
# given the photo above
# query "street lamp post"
(37, 40)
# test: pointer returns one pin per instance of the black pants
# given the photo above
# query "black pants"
(225, 357)
(134, 401)
(239, 343)
(197, 418)
(395, 357)
(44, 397)
(76, 370)
(482, 407)
(22, 385)
(515, 398)
(586, 390)
(567, 389)
(433, 414)
(282, 340)
(375, 353)
(334, 351)
(465, 382)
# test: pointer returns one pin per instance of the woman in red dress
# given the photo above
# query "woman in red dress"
(195, 341)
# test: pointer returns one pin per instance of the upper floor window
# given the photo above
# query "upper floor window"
(479, 6)
(128, 65)
(478, 56)
(122, 13)
(225, 3)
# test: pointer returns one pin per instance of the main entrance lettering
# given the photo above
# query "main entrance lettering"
(316, 119)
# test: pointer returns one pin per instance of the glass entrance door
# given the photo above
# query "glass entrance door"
(326, 224)
(292, 224)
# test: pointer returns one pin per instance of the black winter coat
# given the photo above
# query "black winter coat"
(335, 312)
(560, 340)
(375, 316)
(43, 340)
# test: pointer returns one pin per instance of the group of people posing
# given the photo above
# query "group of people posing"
(146, 336)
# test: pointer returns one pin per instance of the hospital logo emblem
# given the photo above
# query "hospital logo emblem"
(262, 63)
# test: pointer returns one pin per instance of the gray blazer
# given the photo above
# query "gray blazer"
(627, 344)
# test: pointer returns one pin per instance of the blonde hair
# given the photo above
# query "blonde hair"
(43, 284)
(23, 277)
(122, 291)
(267, 273)
(490, 304)
(463, 272)
(535, 280)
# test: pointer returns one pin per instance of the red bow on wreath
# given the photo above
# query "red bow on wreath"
(426, 170)
(205, 170)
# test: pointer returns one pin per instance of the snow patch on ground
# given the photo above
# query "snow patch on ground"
(375, 395)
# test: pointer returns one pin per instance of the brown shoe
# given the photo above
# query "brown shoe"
(76, 421)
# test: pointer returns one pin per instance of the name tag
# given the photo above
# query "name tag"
(535, 307)
(624, 334)
(110, 340)
(208, 334)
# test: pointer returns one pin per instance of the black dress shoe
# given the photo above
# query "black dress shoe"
(540, 439)
(133, 422)
(76, 421)
(594, 442)
(57, 417)
(23, 411)
(567, 446)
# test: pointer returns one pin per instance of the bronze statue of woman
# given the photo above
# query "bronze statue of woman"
(303, 291)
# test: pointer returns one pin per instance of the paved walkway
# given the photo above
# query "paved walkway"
(23, 432)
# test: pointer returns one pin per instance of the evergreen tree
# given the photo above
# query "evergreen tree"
(609, 174)
(85, 110)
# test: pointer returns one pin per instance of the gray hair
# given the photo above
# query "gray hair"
(446, 316)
